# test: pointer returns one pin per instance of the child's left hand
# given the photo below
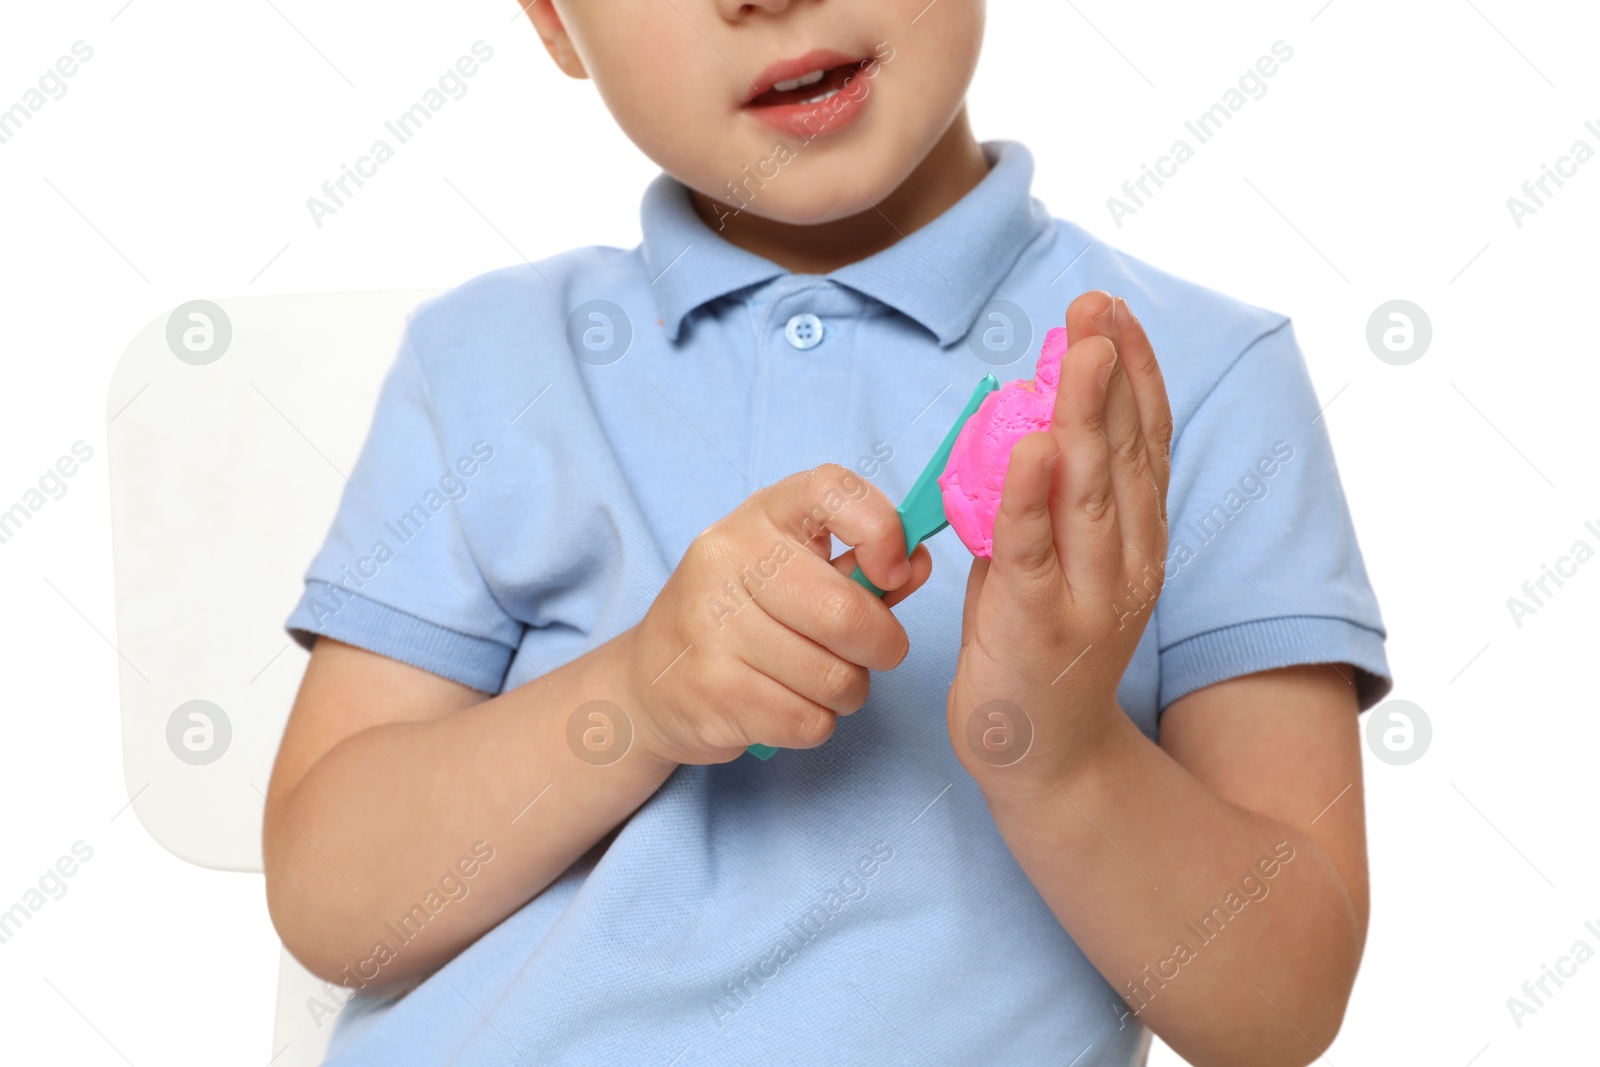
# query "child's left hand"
(1080, 543)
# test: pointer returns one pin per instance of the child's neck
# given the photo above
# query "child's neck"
(944, 176)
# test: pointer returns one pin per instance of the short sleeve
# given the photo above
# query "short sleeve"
(1263, 567)
(395, 574)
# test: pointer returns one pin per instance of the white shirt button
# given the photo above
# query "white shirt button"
(804, 331)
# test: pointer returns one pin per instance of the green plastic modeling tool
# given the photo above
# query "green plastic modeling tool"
(922, 512)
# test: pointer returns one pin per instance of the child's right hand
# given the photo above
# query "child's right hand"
(713, 671)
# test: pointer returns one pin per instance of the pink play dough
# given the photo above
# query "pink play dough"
(976, 473)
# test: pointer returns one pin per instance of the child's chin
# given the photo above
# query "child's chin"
(815, 199)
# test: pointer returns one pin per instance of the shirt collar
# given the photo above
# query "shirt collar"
(941, 275)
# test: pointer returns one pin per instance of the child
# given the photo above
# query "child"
(587, 557)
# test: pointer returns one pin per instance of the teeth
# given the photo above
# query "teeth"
(820, 99)
(800, 82)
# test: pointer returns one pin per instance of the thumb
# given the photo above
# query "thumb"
(1024, 539)
(969, 607)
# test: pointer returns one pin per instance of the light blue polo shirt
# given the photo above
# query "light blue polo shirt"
(551, 438)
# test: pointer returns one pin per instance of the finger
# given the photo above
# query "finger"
(1090, 315)
(1024, 538)
(804, 667)
(838, 500)
(1083, 506)
(1139, 514)
(921, 568)
(1131, 418)
(969, 606)
(1096, 312)
(813, 599)
(770, 713)
(1138, 359)
(799, 515)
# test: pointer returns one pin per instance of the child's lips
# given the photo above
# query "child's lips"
(825, 106)
(832, 80)
(788, 69)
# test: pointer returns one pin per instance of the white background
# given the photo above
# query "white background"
(1376, 167)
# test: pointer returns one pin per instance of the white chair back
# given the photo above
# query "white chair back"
(232, 427)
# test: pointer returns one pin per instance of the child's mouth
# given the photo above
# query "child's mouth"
(816, 101)
(812, 88)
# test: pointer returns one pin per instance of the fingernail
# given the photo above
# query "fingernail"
(900, 573)
(1107, 319)
(1106, 368)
